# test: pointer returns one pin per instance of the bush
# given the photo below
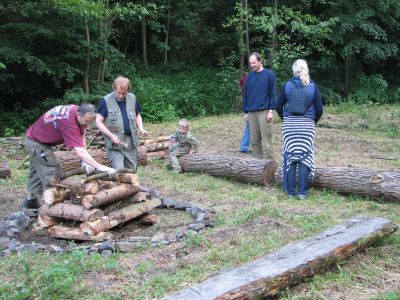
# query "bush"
(369, 89)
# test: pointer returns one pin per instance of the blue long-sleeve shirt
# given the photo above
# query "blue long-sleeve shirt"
(259, 91)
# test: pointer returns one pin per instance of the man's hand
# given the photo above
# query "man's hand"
(270, 116)
(142, 131)
(114, 139)
(110, 171)
(88, 168)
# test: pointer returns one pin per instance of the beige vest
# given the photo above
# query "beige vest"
(114, 121)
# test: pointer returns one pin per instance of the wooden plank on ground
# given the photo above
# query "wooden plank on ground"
(292, 263)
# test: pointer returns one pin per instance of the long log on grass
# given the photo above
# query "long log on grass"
(70, 162)
(71, 212)
(119, 216)
(72, 233)
(4, 170)
(109, 196)
(363, 182)
(292, 263)
(259, 171)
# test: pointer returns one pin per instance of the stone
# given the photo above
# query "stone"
(126, 246)
(106, 253)
(6, 252)
(32, 213)
(28, 248)
(106, 245)
(196, 226)
(56, 249)
(20, 218)
(181, 234)
(157, 238)
(93, 248)
(181, 206)
(168, 202)
(4, 241)
(13, 244)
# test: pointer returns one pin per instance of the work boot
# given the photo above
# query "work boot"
(30, 203)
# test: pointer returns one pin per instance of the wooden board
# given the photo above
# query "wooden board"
(292, 263)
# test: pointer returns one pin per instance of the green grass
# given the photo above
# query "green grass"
(249, 222)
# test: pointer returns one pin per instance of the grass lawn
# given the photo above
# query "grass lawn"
(250, 221)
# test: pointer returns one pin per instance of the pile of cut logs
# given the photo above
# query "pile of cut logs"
(149, 148)
(85, 209)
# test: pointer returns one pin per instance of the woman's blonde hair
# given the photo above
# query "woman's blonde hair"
(300, 69)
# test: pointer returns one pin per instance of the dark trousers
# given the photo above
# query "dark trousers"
(302, 179)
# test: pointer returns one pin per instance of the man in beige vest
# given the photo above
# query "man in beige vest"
(118, 118)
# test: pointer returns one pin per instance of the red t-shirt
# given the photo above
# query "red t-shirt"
(58, 125)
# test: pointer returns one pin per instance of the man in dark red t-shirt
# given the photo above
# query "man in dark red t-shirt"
(62, 124)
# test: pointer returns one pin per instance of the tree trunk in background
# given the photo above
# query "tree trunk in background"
(371, 183)
(87, 65)
(346, 75)
(259, 171)
(167, 34)
(273, 38)
(246, 21)
(240, 41)
(144, 44)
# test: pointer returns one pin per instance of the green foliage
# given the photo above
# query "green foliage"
(192, 93)
(369, 89)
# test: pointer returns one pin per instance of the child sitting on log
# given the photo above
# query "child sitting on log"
(183, 142)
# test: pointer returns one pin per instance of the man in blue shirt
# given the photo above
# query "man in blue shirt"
(118, 118)
(258, 105)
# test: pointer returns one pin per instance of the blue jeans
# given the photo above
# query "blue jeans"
(245, 144)
(302, 180)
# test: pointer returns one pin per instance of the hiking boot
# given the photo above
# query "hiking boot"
(30, 203)
(302, 197)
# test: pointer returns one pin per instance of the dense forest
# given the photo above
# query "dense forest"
(185, 56)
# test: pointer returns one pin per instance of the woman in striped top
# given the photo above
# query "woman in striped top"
(298, 131)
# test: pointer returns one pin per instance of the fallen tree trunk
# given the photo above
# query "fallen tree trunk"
(4, 170)
(109, 196)
(71, 212)
(119, 216)
(292, 263)
(70, 162)
(374, 184)
(259, 171)
(72, 233)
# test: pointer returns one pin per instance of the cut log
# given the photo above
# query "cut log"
(71, 212)
(162, 154)
(160, 139)
(70, 162)
(72, 233)
(157, 146)
(5, 171)
(124, 178)
(374, 184)
(150, 219)
(46, 221)
(119, 216)
(139, 197)
(109, 196)
(103, 185)
(292, 263)
(77, 185)
(55, 195)
(259, 171)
